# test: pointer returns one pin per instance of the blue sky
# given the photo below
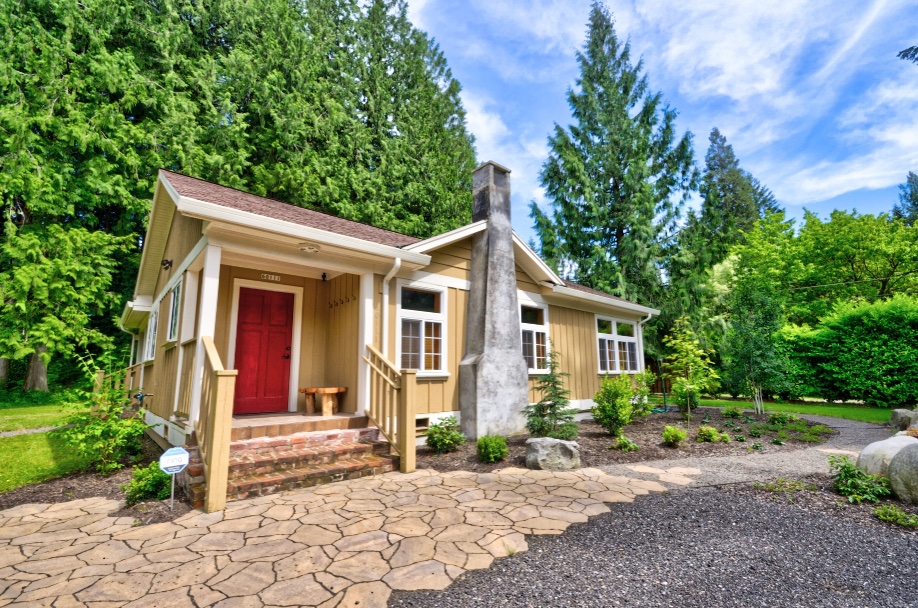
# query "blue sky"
(810, 94)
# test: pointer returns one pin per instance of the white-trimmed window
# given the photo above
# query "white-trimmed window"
(175, 304)
(534, 327)
(149, 344)
(422, 329)
(617, 342)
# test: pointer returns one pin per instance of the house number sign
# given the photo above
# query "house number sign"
(270, 277)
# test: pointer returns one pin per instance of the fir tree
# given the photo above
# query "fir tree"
(907, 209)
(616, 177)
(552, 416)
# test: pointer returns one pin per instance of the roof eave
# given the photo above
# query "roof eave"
(576, 294)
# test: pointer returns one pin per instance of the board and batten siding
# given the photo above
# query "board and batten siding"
(314, 325)
(342, 341)
(161, 374)
(455, 260)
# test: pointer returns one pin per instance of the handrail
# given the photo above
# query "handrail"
(391, 406)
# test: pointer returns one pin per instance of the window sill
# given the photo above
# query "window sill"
(168, 345)
(617, 372)
(538, 372)
(188, 341)
(432, 375)
(148, 362)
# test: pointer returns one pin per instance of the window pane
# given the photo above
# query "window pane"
(529, 349)
(411, 344)
(610, 348)
(424, 301)
(432, 346)
(603, 356)
(627, 356)
(604, 326)
(541, 351)
(174, 313)
(531, 316)
(625, 329)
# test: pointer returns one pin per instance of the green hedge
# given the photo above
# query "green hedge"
(865, 352)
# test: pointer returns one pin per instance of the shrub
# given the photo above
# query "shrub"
(782, 418)
(777, 441)
(864, 351)
(757, 447)
(613, 409)
(725, 438)
(444, 436)
(856, 483)
(707, 434)
(566, 431)
(492, 448)
(551, 416)
(731, 412)
(755, 433)
(740, 438)
(103, 429)
(625, 445)
(642, 384)
(147, 483)
(895, 515)
(673, 436)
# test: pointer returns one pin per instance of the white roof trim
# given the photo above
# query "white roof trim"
(569, 292)
(447, 238)
(214, 212)
(533, 258)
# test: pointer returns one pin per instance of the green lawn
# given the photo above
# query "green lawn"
(851, 412)
(31, 417)
(26, 459)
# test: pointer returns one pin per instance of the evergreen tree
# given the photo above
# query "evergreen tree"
(733, 200)
(907, 209)
(617, 177)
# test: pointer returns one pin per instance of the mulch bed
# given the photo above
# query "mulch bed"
(91, 485)
(647, 432)
(819, 497)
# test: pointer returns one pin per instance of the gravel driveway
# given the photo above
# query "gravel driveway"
(707, 546)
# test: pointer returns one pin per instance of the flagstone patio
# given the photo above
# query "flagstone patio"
(346, 544)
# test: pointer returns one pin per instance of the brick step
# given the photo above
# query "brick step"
(244, 465)
(303, 441)
(311, 475)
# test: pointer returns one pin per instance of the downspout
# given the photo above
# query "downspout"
(384, 314)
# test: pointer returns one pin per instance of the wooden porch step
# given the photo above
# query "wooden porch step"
(311, 475)
(276, 426)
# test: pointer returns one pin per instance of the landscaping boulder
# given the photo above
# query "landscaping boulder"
(902, 419)
(548, 454)
(903, 474)
(875, 458)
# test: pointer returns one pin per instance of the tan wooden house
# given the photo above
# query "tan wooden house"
(288, 347)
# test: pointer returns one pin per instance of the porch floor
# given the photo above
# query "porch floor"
(250, 426)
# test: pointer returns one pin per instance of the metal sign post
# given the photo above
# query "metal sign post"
(173, 461)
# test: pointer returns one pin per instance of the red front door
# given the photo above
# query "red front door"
(263, 339)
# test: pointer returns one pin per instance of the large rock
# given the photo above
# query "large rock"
(875, 458)
(902, 419)
(903, 474)
(552, 454)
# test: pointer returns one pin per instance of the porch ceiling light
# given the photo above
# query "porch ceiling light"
(309, 248)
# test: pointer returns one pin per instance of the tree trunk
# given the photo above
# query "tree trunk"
(37, 375)
(4, 371)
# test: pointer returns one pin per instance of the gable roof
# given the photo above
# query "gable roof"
(200, 190)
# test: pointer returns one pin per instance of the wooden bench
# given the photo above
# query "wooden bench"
(328, 399)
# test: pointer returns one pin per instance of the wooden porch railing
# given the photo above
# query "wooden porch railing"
(392, 397)
(127, 381)
(213, 427)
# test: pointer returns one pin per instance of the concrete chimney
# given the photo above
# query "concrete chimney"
(493, 377)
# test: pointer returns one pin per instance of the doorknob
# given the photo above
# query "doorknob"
(286, 356)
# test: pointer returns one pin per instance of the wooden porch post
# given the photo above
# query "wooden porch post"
(221, 423)
(365, 331)
(207, 321)
(407, 443)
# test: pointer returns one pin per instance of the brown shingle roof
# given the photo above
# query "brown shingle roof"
(209, 192)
